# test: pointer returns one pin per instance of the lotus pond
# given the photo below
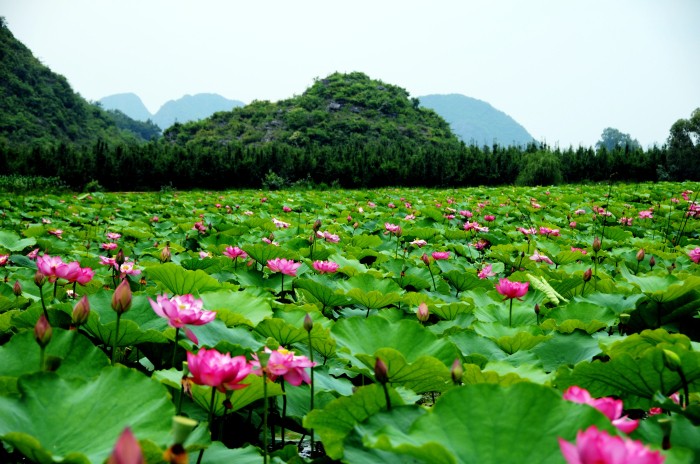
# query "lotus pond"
(388, 326)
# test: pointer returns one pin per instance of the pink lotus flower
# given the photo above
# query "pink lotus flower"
(598, 447)
(486, 272)
(526, 232)
(409, 217)
(465, 213)
(538, 258)
(646, 214)
(438, 255)
(694, 255)
(181, 311)
(489, 218)
(471, 225)
(419, 243)
(85, 275)
(549, 232)
(285, 266)
(204, 254)
(107, 261)
(512, 290)
(235, 253)
(68, 271)
(579, 250)
(392, 228)
(611, 407)
(4, 259)
(109, 246)
(127, 268)
(47, 265)
(280, 224)
(56, 232)
(325, 267)
(221, 371)
(113, 235)
(283, 363)
(572, 224)
(331, 238)
(33, 254)
(286, 209)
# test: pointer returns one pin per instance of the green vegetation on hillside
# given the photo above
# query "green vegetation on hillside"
(340, 110)
(39, 108)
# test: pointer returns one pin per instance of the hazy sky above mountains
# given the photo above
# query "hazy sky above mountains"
(563, 69)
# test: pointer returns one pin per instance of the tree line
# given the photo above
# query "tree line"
(160, 164)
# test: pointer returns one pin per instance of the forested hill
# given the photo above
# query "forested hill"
(38, 106)
(340, 110)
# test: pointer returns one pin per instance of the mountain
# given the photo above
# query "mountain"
(342, 110)
(128, 103)
(477, 122)
(193, 108)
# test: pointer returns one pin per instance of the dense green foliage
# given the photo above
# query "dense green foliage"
(146, 130)
(38, 106)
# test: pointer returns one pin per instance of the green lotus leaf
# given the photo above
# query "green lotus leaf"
(625, 375)
(520, 341)
(215, 332)
(425, 374)
(337, 419)
(76, 428)
(326, 295)
(235, 308)
(285, 333)
(473, 374)
(469, 342)
(179, 281)
(449, 311)
(582, 311)
(566, 350)
(367, 283)
(618, 302)
(373, 299)
(524, 369)
(571, 325)
(217, 453)
(462, 280)
(365, 336)
(518, 423)
(361, 445)
(12, 242)
(636, 345)
(262, 252)
(77, 355)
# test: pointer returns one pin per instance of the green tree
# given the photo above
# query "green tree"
(684, 148)
(612, 138)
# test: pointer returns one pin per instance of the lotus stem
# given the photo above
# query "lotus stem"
(386, 397)
(284, 410)
(41, 358)
(211, 417)
(510, 314)
(311, 385)
(264, 417)
(116, 336)
(177, 330)
(43, 304)
(686, 390)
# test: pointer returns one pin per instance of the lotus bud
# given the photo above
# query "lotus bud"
(597, 244)
(624, 318)
(457, 371)
(81, 311)
(39, 279)
(17, 288)
(537, 309)
(165, 254)
(399, 231)
(308, 323)
(42, 331)
(666, 429)
(127, 450)
(119, 259)
(182, 427)
(652, 262)
(672, 360)
(640, 254)
(356, 225)
(121, 298)
(425, 259)
(588, 273)
(381, 372)
(423, 313)
(317, 225)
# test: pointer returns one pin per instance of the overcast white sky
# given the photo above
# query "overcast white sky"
(564, 69)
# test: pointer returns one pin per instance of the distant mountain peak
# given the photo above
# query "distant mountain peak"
(128, 103)
(476, 121)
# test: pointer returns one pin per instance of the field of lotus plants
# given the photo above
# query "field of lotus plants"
(533, 325)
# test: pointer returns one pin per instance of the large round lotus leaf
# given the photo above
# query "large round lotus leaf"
(73, 420)
(492, 424)
(76, 356)
(365, 336)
